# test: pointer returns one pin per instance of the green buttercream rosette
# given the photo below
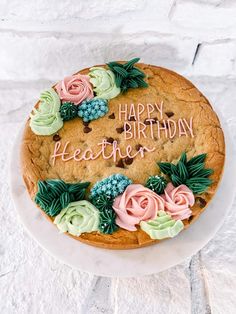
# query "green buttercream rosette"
(103, 82)
(77, 218)
(162, 227)
(46, 119)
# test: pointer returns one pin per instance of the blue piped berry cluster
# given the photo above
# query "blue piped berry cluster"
(112, 186)
(93, 109)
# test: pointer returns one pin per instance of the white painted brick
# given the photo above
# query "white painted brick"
(42, 56)
(65, 10)
(17, 99)
(194, 14)
(216, 59)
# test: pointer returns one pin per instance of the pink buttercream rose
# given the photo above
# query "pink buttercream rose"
(178, 201)
(136, 204)
(75, 88)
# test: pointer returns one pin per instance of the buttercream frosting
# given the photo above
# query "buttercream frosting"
(46, 119)
(103, 82)
(75, 89)
(163, 226)
(178, 201)
(136, 204)
(78, 217)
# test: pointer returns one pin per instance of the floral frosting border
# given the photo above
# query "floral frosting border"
(84, 96)
(159, 207)
(116, 202)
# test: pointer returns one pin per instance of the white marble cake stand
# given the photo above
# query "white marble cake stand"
(124, 263)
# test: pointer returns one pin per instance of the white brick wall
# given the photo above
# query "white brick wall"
(58, 37)
(42, 41)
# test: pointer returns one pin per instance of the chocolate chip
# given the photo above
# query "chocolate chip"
(126, 127)
(87, 129)
(128, 160)
(138, 146)
(85, 123)
(164, 125)
(112, 116)
(190, 218)
(120, 130)
(201, 202)
(110, 140)
(148, 121)
(169, 114)
(120, 164)
(132, 119)
(155, 120)
(56, 137)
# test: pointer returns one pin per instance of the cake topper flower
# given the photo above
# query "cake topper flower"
(178, 201)
(136, 204)
(103, 82)
(78, 217)
(75, 89)
(46, 119)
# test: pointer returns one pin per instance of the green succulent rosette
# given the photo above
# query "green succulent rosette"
(103, 82)
(46, 119)
(162, 227)
(77, 218)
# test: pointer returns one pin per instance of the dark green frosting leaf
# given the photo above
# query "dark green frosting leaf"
(127, 76)
(183, 158)
(65, 199)
(165, 167)
(182, 170)
(129, 65)
(197, 159)
(191, 173)
(54, 195)
(175, 180)
(55, 207)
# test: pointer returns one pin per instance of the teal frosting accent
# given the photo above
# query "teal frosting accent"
(162, 227)
(54, 195)
(111, 186)
(77, 218)
(103, 82)
(92, 109)
(46, 119)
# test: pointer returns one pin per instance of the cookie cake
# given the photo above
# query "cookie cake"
(122, 155)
